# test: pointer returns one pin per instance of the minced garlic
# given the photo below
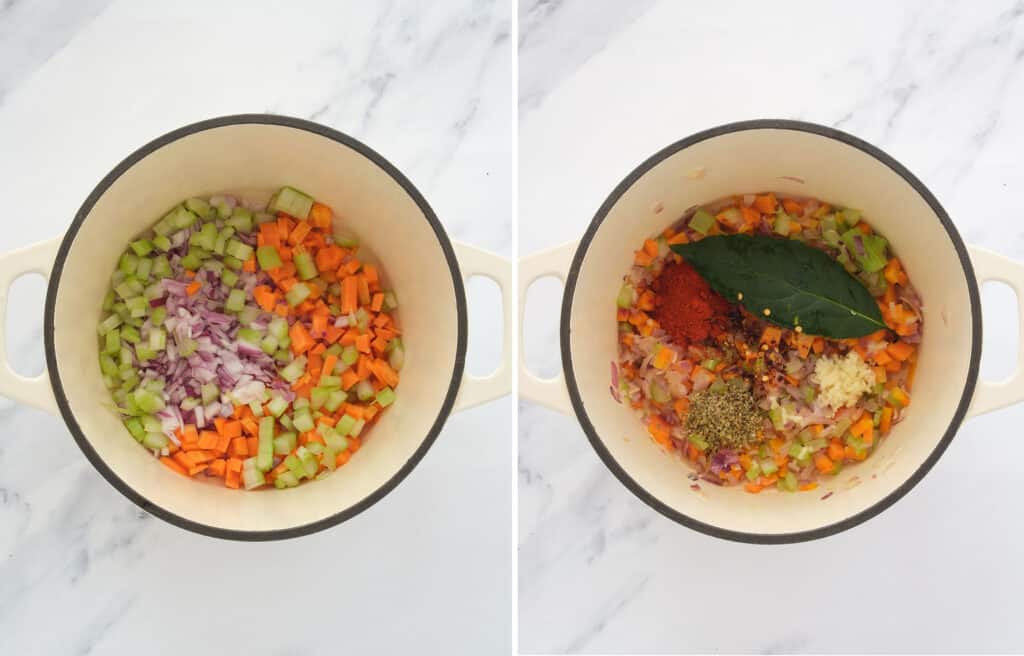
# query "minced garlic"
(842, 381)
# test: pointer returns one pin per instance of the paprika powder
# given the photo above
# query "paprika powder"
(686, 306)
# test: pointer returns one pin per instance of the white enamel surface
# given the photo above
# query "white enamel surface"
(369, 202)
(428, 568)
(937, 85)
(748, 162)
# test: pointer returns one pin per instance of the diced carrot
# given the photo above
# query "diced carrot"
(792, 207)
(835, 450)
(642, 258)
(233, 473)
(208, 440)
(223, 441)
(771, 335)
(249, 426)
(900, 350)
(265, 297)
(818, 345)
(881, 358)
(885, 423)
(173, 466)
(663, 358)
(893, 366)
(342, 458)
(806, 487)
(363, 343)
(349, 295)
(301, 339)
(680, 238)
(252, 445)
(765, 204)
(193, 287)
(320, 216)
(232, 429)
(348, 379)
(659, 430)
(383, 371)
(751, 216)
(350, 267)
(753, 488)
(249, 266)
(863, 426)
(330, 362)
(299, 232)
(823, 463)
(353, 410)
(238, 448)
(894, 273)
(217, 467)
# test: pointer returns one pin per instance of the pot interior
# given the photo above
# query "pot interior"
(800, 163)
(256, 159)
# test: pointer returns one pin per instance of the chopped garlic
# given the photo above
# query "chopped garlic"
(842, 381)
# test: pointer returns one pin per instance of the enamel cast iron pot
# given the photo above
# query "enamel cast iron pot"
(260, 153)
(807, 160)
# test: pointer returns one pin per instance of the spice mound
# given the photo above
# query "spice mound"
(686, 306)
(726, 418)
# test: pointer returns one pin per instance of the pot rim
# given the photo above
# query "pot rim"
(898, 492)
(58, 387)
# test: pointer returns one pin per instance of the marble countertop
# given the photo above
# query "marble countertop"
(938, 85)
(429, 568)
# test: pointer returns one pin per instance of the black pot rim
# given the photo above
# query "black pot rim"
(58, 387)
(895, 494)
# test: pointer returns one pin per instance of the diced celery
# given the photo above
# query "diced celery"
(134, 426)
(269, 345)
(107, 365)
(345, 425)
(268, 257)
(799, 451)
(108, 300)
(125, 358)
(278, 327)
(248, 314)
(209, 392)
(346, 241)
(252, 477)
(308, 460)
(867, 250)
(198, 206)
(162, 242)
(285, 443)
(137, 306)
(187, 347)
(293, 371)
(263, 217)
(768, 466)
(385, 397)
(304, 265)
(625, 298)
(754, 472)
(285, 479)
(782, 223)
(658, 392)
(157, 339)
(142, 247)
(250, 336)
(241, 219)
(362, 320)
(144, 269)
(330, 381)
(144, 353)
(775, 414)
(191, 261)
(286, 421)
(147, 401)
(303, 421)
(851, 216)
(315, 448)
(396, 358)
(205, 237)
(235, 248)
(334, 400)
(702, 221)
(229, 278)
(191, 403)
(129, 288)
(336, 440)
(390, 301)
(232, 263)
(789, 482)
(277, 405)
(298, 293)
(154, 440)
(364, 390)
(158, 315)
(349, 355)
(257, 408)
(358, 427)
(223, 210)
(295, 466)
(222, 240)
(128, 263)
(112, 342)
(265, 453)
(291, 201)
(236, 301)
(317, 397)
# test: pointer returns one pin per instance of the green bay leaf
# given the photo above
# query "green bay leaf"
(799, 284)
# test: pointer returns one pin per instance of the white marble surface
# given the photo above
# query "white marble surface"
(430, 568)
(936, 84)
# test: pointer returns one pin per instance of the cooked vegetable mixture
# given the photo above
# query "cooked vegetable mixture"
(751, 397)
(248, 345)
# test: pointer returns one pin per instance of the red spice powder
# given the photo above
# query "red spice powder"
(686, 306)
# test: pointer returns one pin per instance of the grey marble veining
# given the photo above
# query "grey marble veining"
(938, 85)
(429, 568)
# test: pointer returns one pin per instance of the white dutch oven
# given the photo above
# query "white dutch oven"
(259, 153)
(797, 158)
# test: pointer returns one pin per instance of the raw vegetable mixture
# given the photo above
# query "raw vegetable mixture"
(748, 401)
(251, 346)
